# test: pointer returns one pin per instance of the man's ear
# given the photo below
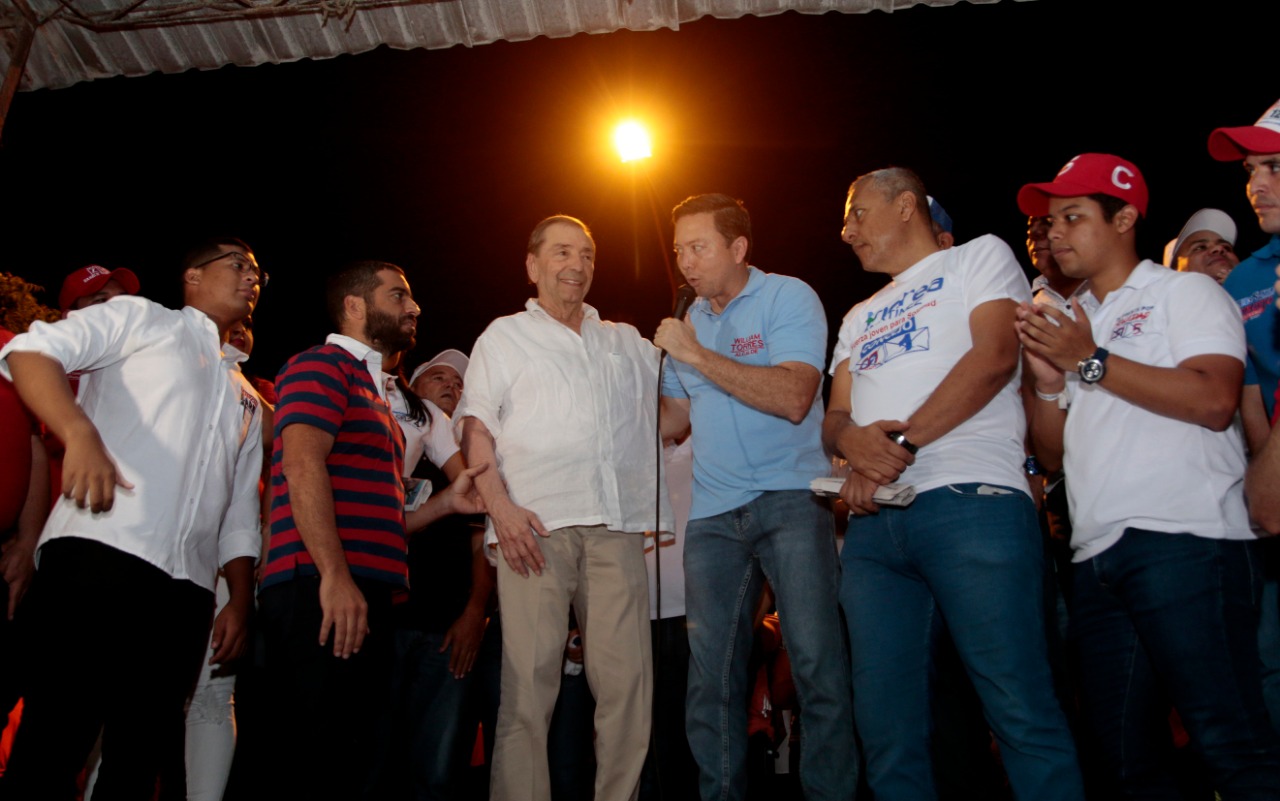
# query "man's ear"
(739, 249)
(529, 261)
(353, 307)
(1126, 218)
(192, 275)
(906, 203)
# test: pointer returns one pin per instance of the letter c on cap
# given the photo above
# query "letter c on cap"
(1115, 177)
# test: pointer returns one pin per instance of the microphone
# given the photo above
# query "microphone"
(685, 296)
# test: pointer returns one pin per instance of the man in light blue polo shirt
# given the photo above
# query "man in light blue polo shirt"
(745, 369)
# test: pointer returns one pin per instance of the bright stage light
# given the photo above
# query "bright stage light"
(632, 141)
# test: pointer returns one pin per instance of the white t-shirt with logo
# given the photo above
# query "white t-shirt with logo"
(1130, 467)
(905, 339)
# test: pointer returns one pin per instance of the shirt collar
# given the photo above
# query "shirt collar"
(372, 358)
(1147, 272)
(588, 311)
(1041, 284)
(1270, 250)
(233, 356)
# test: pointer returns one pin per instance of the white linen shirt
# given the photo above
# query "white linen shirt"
(1128, 467)
(182, 426)
(573, 418)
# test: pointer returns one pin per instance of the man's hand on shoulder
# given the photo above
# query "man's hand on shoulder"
(515, 527)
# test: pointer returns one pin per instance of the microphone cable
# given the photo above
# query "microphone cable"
(685, 296)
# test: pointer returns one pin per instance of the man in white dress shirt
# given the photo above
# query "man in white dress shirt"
(565, 403)
(160, 489)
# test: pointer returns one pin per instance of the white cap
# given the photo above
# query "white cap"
(454, 358)
(1203, 220)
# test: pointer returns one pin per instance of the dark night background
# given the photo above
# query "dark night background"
(442, 161)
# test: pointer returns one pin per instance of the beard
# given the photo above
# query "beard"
(386, 331)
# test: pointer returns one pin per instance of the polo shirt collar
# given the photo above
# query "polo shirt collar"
(1147, 272)
(1271, 250)
(372, 358)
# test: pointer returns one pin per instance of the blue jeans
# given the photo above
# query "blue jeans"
(787, 537)
(973, 564)
(430, 708)
(1160, 618)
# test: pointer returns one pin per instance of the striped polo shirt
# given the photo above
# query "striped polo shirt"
(329, 388)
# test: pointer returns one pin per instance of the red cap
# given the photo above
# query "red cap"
(1233, 144)
(1088, 174)
(88, 280)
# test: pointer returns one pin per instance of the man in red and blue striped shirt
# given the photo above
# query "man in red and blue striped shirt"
(337, 547)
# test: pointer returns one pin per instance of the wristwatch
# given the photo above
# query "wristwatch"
(901, 439)
(1094, 368)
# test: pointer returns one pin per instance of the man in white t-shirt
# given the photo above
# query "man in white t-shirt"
(1164, 602)
(925, 393)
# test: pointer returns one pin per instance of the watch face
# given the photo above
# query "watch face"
(1091, 371)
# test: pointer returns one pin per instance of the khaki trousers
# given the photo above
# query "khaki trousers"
(602, 573)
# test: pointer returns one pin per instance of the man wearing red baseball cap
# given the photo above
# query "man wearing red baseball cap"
(1164, 604)
(1251, 282)
(94, 284)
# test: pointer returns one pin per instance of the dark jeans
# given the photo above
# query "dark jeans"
(115, 644)
(670, 774)
(323, 712)
(435, 718)
(1174, 617)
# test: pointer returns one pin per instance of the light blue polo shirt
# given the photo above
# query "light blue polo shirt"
(740, 452)
(1252, 284)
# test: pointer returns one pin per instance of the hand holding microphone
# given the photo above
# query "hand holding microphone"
(674, 335)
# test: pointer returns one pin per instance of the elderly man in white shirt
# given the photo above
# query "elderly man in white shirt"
(565, 403)
(160, 486)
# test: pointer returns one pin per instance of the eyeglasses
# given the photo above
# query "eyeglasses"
(243, 264)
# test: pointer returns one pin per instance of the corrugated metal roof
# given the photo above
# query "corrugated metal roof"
(80, 40)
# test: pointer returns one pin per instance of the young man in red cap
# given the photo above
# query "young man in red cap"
(1251, 284)
(1165, 590)
(92, 285)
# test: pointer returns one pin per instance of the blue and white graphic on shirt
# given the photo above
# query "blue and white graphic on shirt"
(893, 331)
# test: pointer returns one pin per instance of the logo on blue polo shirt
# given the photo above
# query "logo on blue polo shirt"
(1256, 303)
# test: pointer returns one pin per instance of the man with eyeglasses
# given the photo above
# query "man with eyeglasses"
(160, 490)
